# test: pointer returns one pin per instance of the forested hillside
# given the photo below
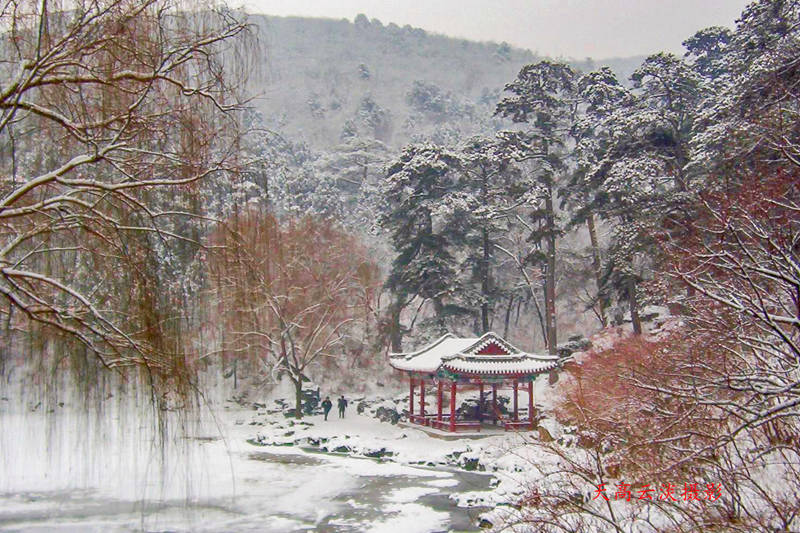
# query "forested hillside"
(340, 99)
(326, 81)
(329, 80)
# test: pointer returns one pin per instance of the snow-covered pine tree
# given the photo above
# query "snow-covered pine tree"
(641, 183)
(422, 233)
(542, 96)
(707, 50)
(356, 167)
(746, 115)
(491, 191)
(599, 93)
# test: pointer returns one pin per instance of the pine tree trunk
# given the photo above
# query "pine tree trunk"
(550, 279)
(596, 266)
(485, 283)
(298, 397)
(438, 311)
(395, 329)
(542, 321)
(634, 305)
(508, 315)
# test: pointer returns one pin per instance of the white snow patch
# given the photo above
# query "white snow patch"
(442, 482)
(409, 494)
(552, 427)
(410, 518)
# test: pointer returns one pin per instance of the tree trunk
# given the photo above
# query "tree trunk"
(542, 321)
(508, 315)
(596, 266)
(550, 279)
(438, 311)
(395, 329)
(485, 282)
(298, 397)
(235, 375)
(637, 323)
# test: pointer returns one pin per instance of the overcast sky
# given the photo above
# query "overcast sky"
(559, 28)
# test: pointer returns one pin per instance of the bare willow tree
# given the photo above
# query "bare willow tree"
(111, 113)
(289, 293)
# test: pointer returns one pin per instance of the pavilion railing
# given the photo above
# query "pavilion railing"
(432, 420)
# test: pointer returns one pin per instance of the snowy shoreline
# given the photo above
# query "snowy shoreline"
(503, 457)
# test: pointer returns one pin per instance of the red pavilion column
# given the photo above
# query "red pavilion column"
(439, 402)
(516, 410)
(480, 402)
(422, 399)
(453, 405)
(494, 402)
(411, 398)
(530, 402)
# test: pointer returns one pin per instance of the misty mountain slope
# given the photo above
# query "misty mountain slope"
(328, 80)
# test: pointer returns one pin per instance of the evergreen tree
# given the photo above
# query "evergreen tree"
(599, 93)
(491, 191)
(641, 182)
(707, 50)
(542, 97)
(745, 123)
(421, 232)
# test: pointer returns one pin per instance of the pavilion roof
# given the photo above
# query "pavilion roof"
(485, 355)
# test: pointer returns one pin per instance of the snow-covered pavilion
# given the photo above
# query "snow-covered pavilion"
(471, 362)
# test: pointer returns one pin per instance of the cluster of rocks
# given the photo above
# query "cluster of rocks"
(575, 343)
(392, 410)
(385, 410)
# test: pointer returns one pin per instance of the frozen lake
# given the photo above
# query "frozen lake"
(249, 488)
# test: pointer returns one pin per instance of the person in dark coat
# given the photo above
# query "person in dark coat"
(326, 406)
(342, 403)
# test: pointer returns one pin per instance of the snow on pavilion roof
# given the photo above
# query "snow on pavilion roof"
(485, 355)
(429, 358)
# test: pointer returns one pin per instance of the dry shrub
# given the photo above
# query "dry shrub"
(716, 400)
(640, 400)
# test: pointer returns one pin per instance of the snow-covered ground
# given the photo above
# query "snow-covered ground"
(236, 485)
(256, 468)
(252, 468)
(505, 457)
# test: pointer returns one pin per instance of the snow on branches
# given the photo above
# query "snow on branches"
(101, 107)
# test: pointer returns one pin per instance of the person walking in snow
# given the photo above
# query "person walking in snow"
(342, 403)
(326, 406)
